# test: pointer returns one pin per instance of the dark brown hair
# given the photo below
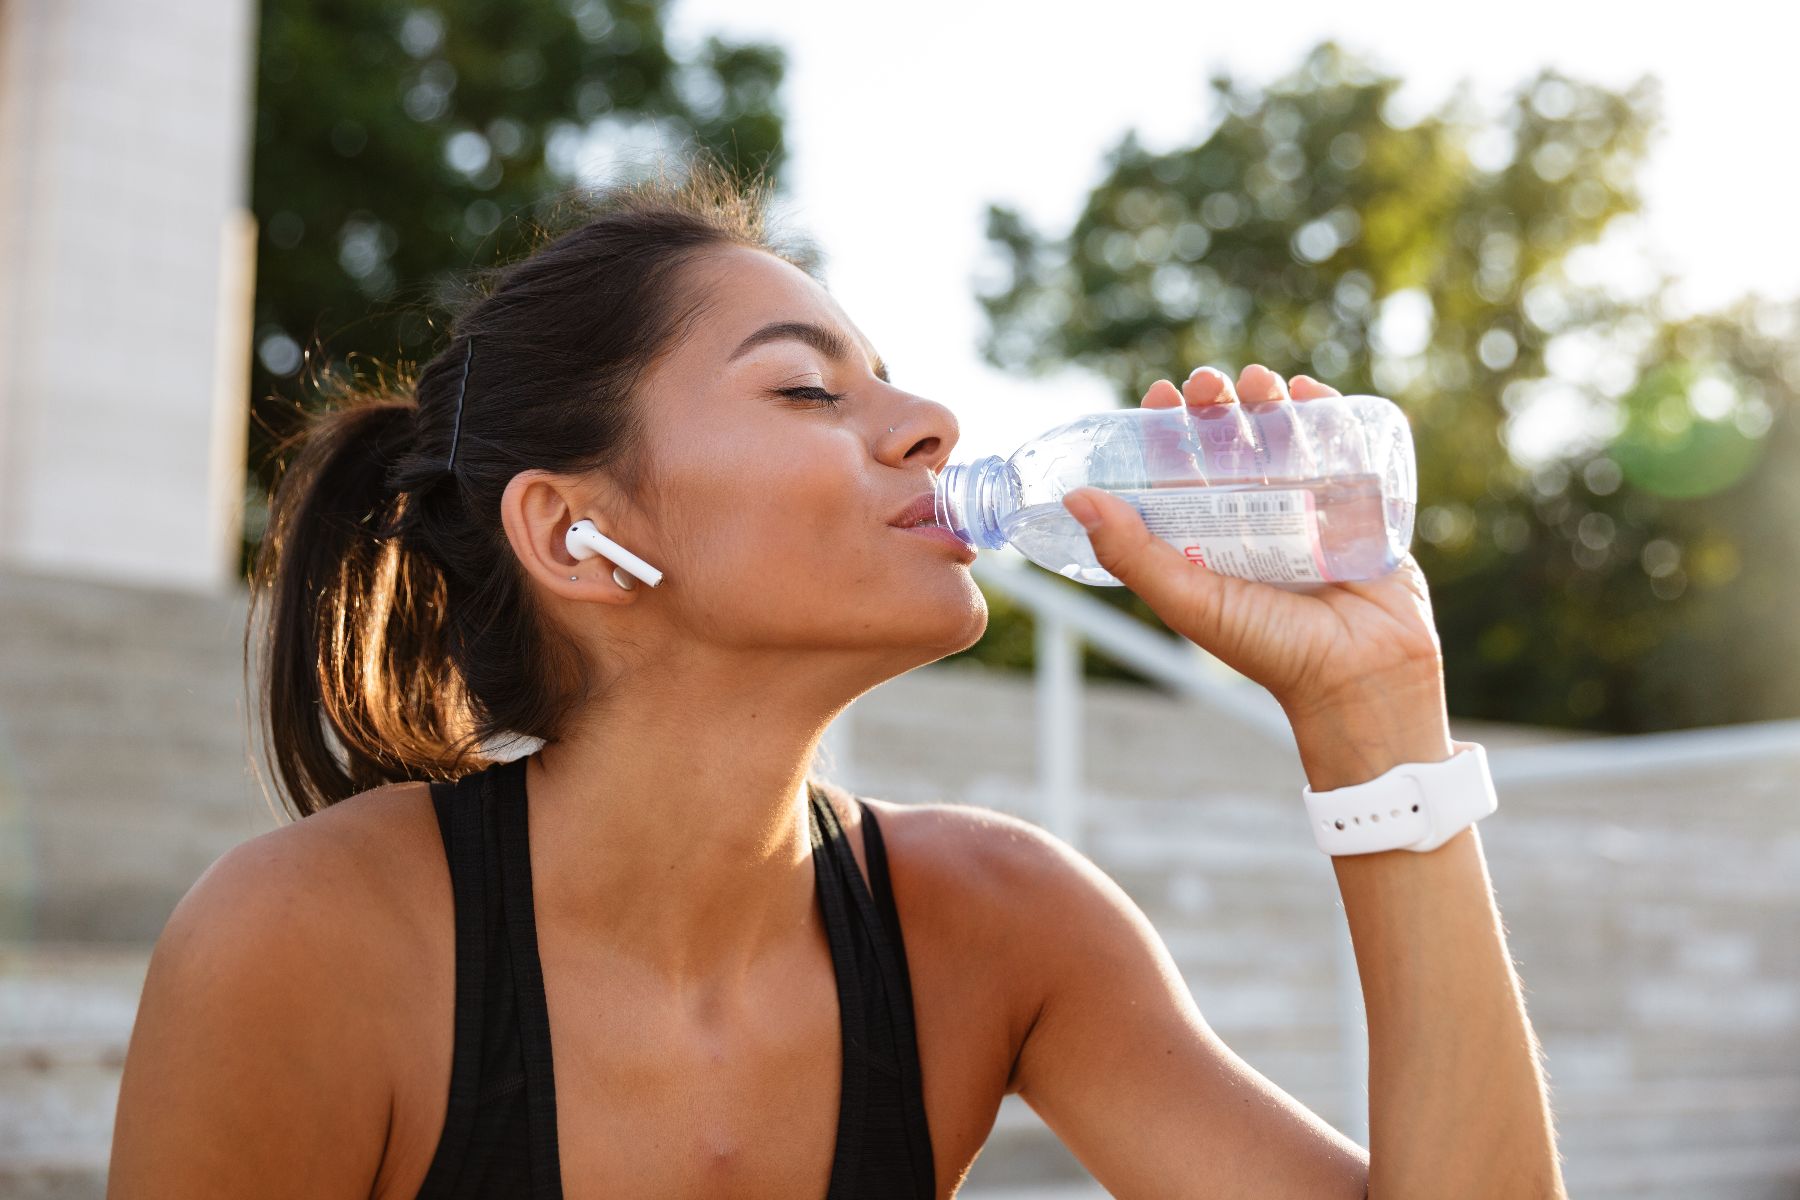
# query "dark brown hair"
(399, 624)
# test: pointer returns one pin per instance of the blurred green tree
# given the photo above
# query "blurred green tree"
(1626, 577)
(399, 143)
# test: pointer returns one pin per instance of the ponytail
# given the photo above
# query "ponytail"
(355, 650)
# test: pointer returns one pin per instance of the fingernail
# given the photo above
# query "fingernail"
(1083, 510)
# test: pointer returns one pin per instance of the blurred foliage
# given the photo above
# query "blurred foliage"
(400, 143)
(1633, 578)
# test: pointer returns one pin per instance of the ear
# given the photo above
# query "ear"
(536, 510)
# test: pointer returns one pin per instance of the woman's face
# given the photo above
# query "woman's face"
(771, 512)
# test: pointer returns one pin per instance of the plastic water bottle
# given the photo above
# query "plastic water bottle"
(1293, 493)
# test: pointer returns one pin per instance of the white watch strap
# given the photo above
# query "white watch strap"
(1413, 806)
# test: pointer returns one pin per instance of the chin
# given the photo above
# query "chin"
(974, 624)
(915, 611)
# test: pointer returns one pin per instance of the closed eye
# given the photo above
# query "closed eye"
(813, 393)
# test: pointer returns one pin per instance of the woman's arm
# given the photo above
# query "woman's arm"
(1458, 1106)
(255, 1066)
(1122, 1066)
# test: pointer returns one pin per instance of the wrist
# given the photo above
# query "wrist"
(1344, 746)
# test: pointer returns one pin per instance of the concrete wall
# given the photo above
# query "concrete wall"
(126, 254)
(1651, 890)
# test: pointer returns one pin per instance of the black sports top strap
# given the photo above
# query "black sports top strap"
(884, 1146)
(459, 822)
(528, 977)
(499, 1136)
(900, 1009)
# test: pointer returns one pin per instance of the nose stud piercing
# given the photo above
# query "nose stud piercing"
(890, 429)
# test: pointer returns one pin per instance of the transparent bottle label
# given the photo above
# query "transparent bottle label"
(1267, 534)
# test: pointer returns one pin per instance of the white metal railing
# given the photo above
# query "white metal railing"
(1627, 755)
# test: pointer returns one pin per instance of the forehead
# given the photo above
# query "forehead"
(743, 289)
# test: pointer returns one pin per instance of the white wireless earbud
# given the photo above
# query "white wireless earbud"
(585, 541)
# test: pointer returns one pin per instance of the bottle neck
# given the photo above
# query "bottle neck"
(973, 498)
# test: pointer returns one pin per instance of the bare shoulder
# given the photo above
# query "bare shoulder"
(997, 898)
(352, 903)
(987, 862)
(364, 859)
(337, 903)
(264, 1041)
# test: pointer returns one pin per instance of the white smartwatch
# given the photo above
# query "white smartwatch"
(1413, 806)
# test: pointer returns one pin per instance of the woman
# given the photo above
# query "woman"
(686, 967)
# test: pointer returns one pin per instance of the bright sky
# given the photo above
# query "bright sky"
(904, 122)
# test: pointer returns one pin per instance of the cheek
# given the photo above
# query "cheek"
(783, 573)
(773, 514)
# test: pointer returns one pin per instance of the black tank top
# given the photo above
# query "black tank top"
(499, 1135)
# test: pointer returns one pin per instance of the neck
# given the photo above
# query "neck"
(671, 828)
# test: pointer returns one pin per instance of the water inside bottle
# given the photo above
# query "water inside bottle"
(1294, 535)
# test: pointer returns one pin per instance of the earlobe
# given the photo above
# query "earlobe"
(619, 577)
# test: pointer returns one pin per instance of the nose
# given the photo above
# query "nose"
(919, 431)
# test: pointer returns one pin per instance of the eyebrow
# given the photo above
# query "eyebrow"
(825, 340)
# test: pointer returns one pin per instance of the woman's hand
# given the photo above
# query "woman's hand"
(1353, 664)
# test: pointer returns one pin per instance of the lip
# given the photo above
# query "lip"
(938, 533)
(919, 508)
